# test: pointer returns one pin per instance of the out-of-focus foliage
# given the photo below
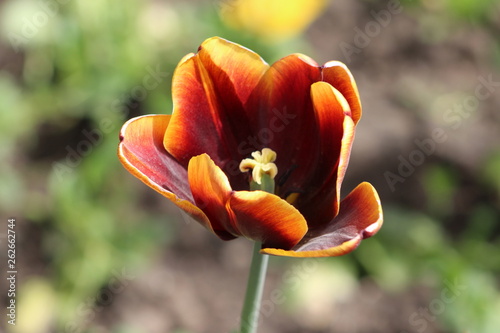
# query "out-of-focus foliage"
(78, 69)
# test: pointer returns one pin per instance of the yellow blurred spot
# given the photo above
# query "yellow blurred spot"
(35, 307)
(292, 198)
(271, 20)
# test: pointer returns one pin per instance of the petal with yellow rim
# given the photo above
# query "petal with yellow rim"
(267, 218)
(320, 203)
(141, 152)
(211, 191)
(339, 76)
(210, 90)
(360, 217)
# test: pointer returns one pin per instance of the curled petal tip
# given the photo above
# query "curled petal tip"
(360, 217)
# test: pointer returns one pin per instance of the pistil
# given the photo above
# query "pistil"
(263, 169)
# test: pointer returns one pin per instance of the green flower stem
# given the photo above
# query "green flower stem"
(257, 276)
(253, 296)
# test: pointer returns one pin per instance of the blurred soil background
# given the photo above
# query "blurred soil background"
(97, 251)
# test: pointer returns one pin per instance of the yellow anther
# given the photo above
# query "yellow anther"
(292, 198)
(262, 163)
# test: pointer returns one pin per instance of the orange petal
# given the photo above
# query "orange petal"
(211, 192)
(324, 206)
(141, 152)
(360, 217)
(209, 93)
(337, 132)
(345, 152)
(319, 203)
(266, 218)
(230, 64)
(193, 116)
(339, 76)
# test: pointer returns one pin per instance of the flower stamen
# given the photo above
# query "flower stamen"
(261, 164)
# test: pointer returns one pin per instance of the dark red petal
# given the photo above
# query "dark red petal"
(211, 191)
(339, 76)
(284, 119)
(209, 91)
(319, 203)
(266, 218)
(360, 217)
(141, 152)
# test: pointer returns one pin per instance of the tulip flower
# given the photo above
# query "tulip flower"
(258, 151)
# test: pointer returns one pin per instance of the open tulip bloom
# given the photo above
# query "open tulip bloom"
(258, 151)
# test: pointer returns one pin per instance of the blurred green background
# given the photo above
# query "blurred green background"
(97, 251)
